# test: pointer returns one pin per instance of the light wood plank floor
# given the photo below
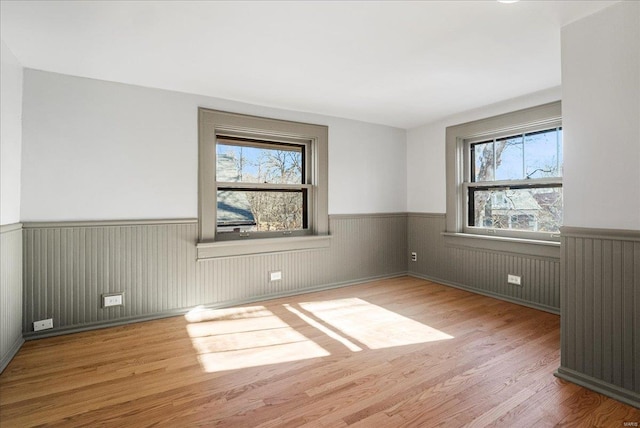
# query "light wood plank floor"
(391, 353)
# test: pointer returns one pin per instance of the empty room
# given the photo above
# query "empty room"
(320, 213)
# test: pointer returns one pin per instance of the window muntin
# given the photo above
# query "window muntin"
(514, 184)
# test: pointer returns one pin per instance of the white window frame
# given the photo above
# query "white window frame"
(458, 179)
(214, 124)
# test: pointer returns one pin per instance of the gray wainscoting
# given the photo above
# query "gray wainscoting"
(68, 266)
(10, 292)
(482, 270)
(601, 311)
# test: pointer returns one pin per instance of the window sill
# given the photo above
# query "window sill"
(245, 247)
(527, 247)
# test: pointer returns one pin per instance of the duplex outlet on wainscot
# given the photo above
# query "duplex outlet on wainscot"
(112, 299)
(275, 275)
(514, 279)
(43, 324)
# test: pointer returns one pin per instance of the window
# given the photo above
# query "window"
(515, 183)
(261, 188)
(263, 185)
(504, 175)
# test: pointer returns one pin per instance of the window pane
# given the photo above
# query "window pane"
(234, 209)
(246, 164)
(532, 209)
(261, 210)
(482, 162)
(509, 158)
(543, 154)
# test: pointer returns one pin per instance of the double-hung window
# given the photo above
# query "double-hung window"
(515, 183)
(262, 188)
(504, 175)
(262, 185)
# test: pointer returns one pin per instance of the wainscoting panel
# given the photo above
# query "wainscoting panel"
(601, 311)
(481, 270)
(10, 292)
(68, 266)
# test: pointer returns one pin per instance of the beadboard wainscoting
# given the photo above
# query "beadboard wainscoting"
(10, 292)
(479, 270)
(68, 266)
(601, 311)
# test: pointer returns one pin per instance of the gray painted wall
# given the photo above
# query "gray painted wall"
(482, 270)
(67, 266)
(10, 292)
(601, 311)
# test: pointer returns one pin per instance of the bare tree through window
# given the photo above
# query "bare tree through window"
(279, 207)
(518, 182)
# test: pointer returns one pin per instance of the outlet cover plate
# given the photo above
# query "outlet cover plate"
(275, 275)
(112, 299)
(43, 324)
(514, 279)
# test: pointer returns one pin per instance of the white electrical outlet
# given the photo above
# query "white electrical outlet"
(414, 256)
(113, 299)
(275, 275)
(43, 324)
(514, 279)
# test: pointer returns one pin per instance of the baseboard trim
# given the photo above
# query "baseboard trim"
(6, 359)
(623, 395)
(545, 308)
(177, 312)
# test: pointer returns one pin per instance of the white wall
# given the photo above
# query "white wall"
(601, 117)
(95, 150)
(11, 136)
(426, 180)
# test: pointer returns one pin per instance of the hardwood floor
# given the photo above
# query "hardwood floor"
(391, 353)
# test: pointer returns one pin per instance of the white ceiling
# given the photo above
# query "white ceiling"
(395, 63)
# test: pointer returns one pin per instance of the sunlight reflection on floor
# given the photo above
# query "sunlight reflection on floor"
(252, 336)
(230, 339)
(372, 325)
(313, 323)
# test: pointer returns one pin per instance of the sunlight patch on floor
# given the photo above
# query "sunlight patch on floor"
(230, 339)
(252, 336)
(346, 342)
(372, 325)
